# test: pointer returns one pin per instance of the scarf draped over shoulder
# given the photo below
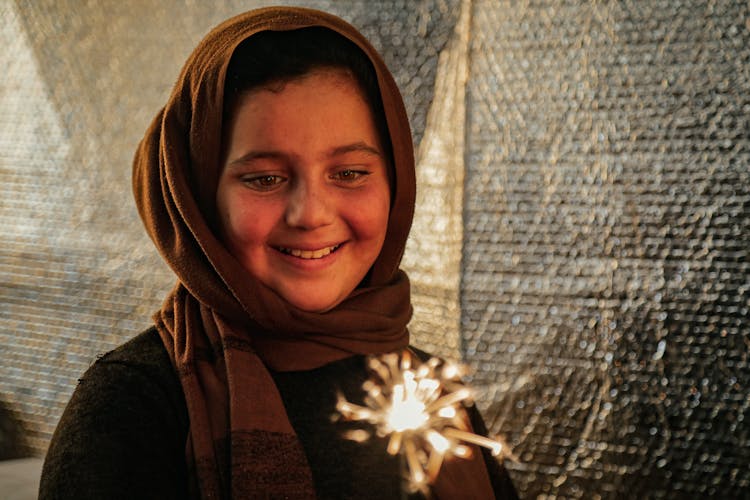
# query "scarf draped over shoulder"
(224, 330)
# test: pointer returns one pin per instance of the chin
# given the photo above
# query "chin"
(313, 306)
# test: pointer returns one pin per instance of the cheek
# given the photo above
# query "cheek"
(244, 224)
(371, 221)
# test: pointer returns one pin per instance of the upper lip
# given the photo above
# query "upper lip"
(307, 247)
(308, 251)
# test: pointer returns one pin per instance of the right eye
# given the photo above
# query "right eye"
(264, 182)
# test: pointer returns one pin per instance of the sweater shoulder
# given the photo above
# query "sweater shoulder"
(123, 432)
(145, 350)
(139, 369)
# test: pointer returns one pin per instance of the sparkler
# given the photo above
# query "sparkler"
(419, 406)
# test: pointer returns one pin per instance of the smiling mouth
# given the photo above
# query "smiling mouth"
(309, 254)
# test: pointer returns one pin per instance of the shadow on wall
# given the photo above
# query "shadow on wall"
(19, 476)
(11, 434)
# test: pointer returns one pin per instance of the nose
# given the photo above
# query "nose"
(308, 206)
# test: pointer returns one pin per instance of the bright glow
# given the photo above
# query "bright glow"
(358, 435)
(419, 407)
(447, 412)
(406, 411)
(438, 441)
(451, 371)
(462, 451)
(494, 446)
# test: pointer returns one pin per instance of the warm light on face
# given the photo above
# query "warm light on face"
(303, 198)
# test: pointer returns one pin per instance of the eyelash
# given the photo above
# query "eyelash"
(350, 175)
(263, 182)
(268, 182)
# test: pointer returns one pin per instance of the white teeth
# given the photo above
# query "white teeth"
(309, 254)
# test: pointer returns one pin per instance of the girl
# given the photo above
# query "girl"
(278, 183)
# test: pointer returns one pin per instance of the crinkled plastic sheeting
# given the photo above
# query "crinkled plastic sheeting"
(607, 228)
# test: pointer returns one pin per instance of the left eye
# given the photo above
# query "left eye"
(349, 174)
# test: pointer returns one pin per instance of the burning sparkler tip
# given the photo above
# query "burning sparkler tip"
(420, 408)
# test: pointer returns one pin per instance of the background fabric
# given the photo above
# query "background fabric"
(581, 234)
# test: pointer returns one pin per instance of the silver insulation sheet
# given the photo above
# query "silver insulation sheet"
(607, 228)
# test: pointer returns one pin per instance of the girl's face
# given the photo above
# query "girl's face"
(303, 198)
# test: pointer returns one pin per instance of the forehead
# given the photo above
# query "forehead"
(330, 73)
(320, 111)
(323, 88)
(310, 85)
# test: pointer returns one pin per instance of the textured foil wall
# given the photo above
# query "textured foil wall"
(607, 228)
(581, 236)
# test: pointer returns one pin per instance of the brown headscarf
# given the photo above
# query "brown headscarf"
(222, 328)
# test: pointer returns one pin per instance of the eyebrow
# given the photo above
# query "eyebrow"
(360, 146)
(257, 155)
(356, 147)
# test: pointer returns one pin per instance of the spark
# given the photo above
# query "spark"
(419, 407)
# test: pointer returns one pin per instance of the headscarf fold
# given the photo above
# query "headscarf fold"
(223, 329)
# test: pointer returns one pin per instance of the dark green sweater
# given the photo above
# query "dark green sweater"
(124, 431)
